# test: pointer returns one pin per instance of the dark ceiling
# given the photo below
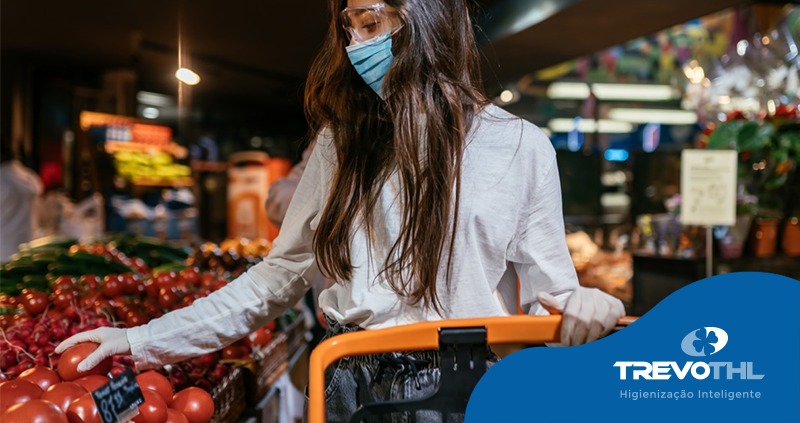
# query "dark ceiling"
(259, 51)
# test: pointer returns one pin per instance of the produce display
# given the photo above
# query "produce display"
(136, 166)
(54, 288)
(231, 256)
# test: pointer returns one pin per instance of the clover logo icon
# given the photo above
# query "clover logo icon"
(704, 341)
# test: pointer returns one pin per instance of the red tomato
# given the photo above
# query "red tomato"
(101, 306)
(151, 308)
(166, 279)
(157, 382)
(167, 298)
(175, 416)
(54, 313)
(134, 318)
(207, 280)
(7, 301)
(63, 298)
(261, 337)
(34, 302)
(83, 410)
(271, 325)
(34, 411)
(191, 275)
(64, 282)
(186, 301)
(17, 391)
(233, 352)
(68, 363)
(153, 409)
(218, 284)
(90, 282)
(92, 382)
(151, 288)
(112, 287)
(130, 283)
(62, 394)
(45, 377)
(195, 403)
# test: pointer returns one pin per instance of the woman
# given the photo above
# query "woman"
(422, 200)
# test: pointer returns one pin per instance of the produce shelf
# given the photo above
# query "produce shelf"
(161, 182)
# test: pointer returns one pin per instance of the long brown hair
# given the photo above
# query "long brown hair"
(432, 92)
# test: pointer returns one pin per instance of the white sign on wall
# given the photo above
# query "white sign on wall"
(708, 187)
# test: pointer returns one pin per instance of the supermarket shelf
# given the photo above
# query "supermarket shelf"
(267, 409)
(297, 355)
(655, 278)
(174, 149)
(162, 183)
(204, 166)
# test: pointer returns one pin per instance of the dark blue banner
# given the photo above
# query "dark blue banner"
(724, 349)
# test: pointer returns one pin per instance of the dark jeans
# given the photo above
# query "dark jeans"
(357, 380)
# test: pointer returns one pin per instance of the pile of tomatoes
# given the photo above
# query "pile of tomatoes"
(35, 381)
(64, 395)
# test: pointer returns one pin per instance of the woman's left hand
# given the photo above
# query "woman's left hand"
(589, 314)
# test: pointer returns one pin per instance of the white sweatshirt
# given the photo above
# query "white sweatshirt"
(510, 225)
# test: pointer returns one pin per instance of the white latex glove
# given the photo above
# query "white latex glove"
(112, 341)
(589, 314)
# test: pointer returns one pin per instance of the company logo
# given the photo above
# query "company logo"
(701, 342)
(704, 342)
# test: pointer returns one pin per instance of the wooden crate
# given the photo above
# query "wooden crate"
(264, 367)
(229, 397)
(296, 335)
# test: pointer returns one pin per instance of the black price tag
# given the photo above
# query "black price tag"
(119, 399)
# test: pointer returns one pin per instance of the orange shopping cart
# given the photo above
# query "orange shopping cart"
(462, 345)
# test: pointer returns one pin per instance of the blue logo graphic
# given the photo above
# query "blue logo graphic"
(649, 373)
(704, 342)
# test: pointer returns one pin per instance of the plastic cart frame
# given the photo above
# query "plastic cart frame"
(458, 340)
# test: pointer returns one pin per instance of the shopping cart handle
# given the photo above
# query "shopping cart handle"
(520, 329)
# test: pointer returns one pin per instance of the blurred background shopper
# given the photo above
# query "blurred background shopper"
(20, 189)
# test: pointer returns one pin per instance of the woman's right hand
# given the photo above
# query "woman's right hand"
(112, 341)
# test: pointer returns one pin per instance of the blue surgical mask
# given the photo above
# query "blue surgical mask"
(372, 59)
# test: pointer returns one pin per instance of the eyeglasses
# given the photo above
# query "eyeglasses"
(364, 23)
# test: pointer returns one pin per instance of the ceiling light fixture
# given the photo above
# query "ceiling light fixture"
(150, 112)
(568, 90)
(154, 99)
(187, 76)
(635, 92)
(614, 92)
(662, 116)
(602, 126)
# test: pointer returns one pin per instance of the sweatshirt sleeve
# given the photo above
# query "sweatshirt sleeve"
(539, 252)
(253, 299)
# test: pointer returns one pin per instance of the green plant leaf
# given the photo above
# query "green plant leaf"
(724, 137)
(790, 141)
(780, 155)
(775, 183)
(753, 136)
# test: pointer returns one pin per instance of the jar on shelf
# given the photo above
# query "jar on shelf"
(791, 237)
(764, 238)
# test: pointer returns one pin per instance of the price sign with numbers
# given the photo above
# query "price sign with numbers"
(119, 399)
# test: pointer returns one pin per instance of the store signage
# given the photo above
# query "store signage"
(708, 187)
(119, 399)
